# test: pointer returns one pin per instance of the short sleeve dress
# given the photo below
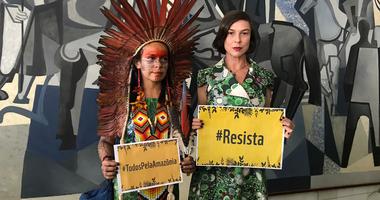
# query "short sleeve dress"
(223, 89)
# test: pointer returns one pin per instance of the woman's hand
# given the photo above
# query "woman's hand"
(109, 168)
(188, 165)
(196, 124)
(288, 126)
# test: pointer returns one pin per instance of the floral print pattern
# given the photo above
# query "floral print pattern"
(227, 183)
(224, 89)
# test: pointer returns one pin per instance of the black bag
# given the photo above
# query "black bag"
(104, 192)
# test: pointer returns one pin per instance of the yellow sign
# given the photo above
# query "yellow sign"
(240, 137)
(148, 164)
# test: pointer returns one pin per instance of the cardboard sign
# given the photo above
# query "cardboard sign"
(148, 164)
(240, 137)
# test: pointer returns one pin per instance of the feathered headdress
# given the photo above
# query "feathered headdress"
(120, 45)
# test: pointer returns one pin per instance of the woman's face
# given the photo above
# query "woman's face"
(238, 38)
(154, 62)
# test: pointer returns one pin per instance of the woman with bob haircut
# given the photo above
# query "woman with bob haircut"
(235, 80)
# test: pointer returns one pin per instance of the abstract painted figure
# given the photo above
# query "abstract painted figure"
(289, 51)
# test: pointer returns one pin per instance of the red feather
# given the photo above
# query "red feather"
(119, 45)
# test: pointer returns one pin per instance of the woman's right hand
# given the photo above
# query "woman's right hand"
(109, 168)
(196, 124)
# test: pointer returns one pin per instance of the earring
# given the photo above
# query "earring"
(138, 78)
(138, 89)
(168, 96)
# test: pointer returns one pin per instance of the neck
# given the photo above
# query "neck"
(235, 63)
(152, 89)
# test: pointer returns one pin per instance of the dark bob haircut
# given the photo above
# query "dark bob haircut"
(228, 19)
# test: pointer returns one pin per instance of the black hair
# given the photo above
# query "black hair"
(228, 19)
(134, 76)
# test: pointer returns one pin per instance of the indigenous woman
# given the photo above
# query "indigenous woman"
(141, 62)
(235, 80)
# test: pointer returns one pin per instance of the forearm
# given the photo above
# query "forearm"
(268, 97)
(105, 147)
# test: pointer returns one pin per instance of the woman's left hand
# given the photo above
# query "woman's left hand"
(288, 126)
(188, 165)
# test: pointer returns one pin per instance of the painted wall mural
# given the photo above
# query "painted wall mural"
(325, 54)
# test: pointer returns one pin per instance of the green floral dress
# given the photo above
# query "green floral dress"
(214, 183)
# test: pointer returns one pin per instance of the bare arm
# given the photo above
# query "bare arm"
(202, 95)
(105, 151)
(268, 97)
(188, 164)
(105, 147)
(202, 100)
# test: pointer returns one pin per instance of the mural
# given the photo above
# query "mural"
(325, 54)
(56, 44)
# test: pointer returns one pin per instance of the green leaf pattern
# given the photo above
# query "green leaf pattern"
(223, 89)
